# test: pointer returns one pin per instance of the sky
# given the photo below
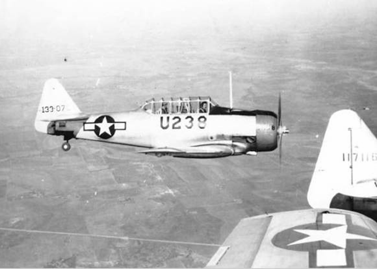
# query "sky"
(33, 28)
(25, 18)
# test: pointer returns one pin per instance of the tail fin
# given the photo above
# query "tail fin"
(346, 163)
(55, 104)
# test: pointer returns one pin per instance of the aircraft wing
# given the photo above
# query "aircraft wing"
(308, 238)
(203, 151)
(161, 151)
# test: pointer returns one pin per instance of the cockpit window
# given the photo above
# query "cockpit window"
(165, 107)
(176, 107)
(161, 107)
(186, 105)
(148, 107)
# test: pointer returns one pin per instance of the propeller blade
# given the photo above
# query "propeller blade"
(280, 148)
(282, 130)
(279, 111)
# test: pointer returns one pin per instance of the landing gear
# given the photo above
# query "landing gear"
(67, 136)
(66, 146)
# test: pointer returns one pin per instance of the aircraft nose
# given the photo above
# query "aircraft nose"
(282, 130)
(267, 132)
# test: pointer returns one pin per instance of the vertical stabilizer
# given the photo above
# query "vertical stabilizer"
(347, 161)
(55, 104)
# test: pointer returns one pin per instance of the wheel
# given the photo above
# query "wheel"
(66, 146)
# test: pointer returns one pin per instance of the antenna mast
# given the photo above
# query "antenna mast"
(230, 90)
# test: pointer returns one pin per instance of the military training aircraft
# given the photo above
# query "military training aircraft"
(320, 237)
(192, 127)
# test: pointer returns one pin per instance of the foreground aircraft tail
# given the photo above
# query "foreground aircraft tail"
(55, 104)
(345, 175)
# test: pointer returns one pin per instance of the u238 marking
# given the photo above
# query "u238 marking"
(187, 122)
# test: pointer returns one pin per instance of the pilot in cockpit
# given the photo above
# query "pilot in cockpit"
(164, 108)
(203, 107)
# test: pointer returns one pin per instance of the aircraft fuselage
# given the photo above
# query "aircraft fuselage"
(237, 132)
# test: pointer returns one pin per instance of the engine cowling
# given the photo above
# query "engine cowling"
(266, 132)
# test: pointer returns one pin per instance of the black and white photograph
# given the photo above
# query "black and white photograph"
(188, 133)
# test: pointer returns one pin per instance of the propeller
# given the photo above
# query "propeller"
(282, 130)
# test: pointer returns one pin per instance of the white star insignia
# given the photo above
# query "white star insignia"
(104, 126)
(336, 236)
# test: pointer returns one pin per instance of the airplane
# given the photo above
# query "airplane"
(319, 237)
(190, 127)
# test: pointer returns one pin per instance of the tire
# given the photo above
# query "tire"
(66, 146)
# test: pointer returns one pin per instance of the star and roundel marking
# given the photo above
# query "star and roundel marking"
(330, 241)
(104, 126)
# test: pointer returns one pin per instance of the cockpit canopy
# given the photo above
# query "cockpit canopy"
(179, 105)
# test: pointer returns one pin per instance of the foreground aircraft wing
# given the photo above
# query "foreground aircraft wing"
(345, 174)
(309, 238)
